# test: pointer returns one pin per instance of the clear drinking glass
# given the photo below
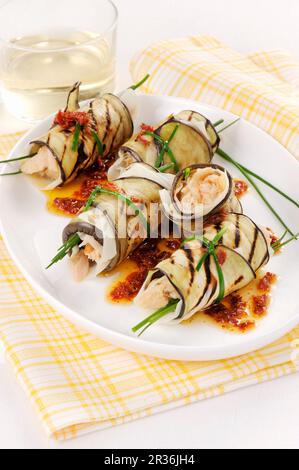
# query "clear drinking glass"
(48, 45)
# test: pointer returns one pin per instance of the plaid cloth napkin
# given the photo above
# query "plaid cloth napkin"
(78, 383)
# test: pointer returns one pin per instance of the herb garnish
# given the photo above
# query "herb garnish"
(166, 167)
(277, 245)
(99, 190)
(11, 174)
(165, 148)
(139, 84)
(247, 174)
(170, 307)
(149, 321)
(101, 147)
(73, 241)
(76, 138)
(187, 172)
(18, 158)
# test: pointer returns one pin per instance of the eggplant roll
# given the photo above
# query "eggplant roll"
(195, 142)
(198, 192)
(113, 228)
(101, 127)
(243, 249)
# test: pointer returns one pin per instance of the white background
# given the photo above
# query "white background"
(264, 416)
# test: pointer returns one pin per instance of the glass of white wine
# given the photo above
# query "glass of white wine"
(48, 45)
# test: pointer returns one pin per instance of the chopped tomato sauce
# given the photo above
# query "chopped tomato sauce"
(68, 119)
(266, 282)
(68, 205)
(146, 257)
(231, 313)
(221, 255)
(260, 304)
(241, 188)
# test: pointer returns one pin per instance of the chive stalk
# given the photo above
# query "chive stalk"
(73, 241)
(122, 197)
(149, 321)
(139, 84)
(18, 158)
(226, 157)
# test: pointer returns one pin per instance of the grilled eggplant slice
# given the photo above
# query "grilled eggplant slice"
(61, 155)
(112, 229)
(243, 249)
(194, 142)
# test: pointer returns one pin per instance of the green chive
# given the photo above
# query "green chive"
(220, 279)
(279, 191)
(217, 123)
(11, 174)
(226, 157)
(219, 236)
(76, 138)
(160, 157)
(17, 159)
(164, 168)
(139, 84)
(101, 147)
(165, 148)
(276, 246)
(187, 172)
(173, 134)
(279, 239)
(172, 158)
(73, 241)
(100, 190)
(202, 261)
(162, 312)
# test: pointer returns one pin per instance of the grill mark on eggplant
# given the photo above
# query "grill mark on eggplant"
(213, 290)
(189, 256)
(237, 281)
(208, 279)
(116, 132)
(237, 232)
(191, 116)
(93, 118)
(253, 246)
(108, 120)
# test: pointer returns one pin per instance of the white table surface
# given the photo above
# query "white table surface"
(264, 416)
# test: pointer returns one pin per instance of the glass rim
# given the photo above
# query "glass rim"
(60, 49)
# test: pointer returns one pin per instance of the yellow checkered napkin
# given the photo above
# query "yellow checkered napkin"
(78, 383)
(262, 87)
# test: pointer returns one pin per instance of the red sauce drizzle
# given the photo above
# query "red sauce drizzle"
(146, 257)
(241, 188)
(90, 179)
(68, 119)
(237, 313)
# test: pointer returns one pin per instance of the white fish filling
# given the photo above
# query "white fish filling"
(205, 186)
(93, 258)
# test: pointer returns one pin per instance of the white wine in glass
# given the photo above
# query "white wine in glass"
(37, 69)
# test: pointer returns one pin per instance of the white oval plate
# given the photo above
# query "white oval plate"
(32, 236)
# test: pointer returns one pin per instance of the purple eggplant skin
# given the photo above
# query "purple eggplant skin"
(125, 109)
(180, 175)
(84, 227)
(160, 273)
(209, 150)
